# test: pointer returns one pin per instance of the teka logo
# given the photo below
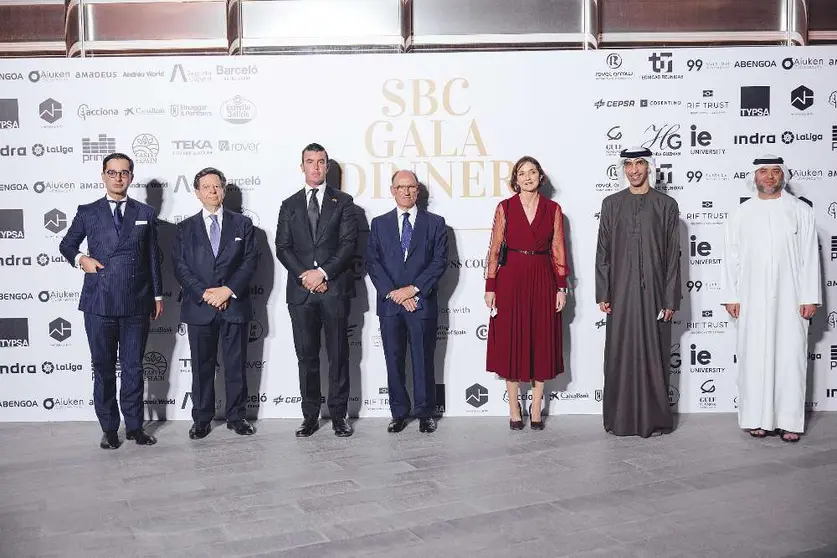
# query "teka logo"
(55, 221)
(802, 98)
(98, 149)
(11, 224)
(50, 111)
(755, 100)
(615, 133)
(60, 329)
(482, 332)
(238, 110)
(476, 396)
(661, 62)
(14, 332)
(699, 357)
(708, 386)
(9, 115)
(613, 61)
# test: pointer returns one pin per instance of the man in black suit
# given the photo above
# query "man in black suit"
(315, 240)
(214, 259)
(406, 256)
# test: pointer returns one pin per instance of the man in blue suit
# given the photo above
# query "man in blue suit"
(122, 288)
(214, 259)
(406, 256)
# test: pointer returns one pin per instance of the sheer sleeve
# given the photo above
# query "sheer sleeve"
(559, 250)
(497, 230)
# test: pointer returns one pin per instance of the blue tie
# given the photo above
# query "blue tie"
(406, 234)
(214, 234)
(117, 215)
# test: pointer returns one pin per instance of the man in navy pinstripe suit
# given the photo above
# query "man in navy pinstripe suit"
(122, 289)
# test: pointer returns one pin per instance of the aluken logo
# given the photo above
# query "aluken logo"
(802, 98)
(476, 396)
(60, 329)
(55, 221)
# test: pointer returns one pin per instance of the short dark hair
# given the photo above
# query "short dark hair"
(114, 156)
(316, 147)
(392, 179)
(520, 162)
(208, 171)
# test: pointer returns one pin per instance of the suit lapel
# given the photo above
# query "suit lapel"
(327, 205)
(128, 221)
(390, 232)
(200, 234)
(227, 230)
(418, 232)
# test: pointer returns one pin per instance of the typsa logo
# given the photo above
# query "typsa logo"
(60, 329)
(11, 224)
(154, 366)
(145, 148)
(755, 100)
(802, 98)
(482, 332)
(476, 396)
(238, 110)
(50, 111)
(55, 221)
(98, 149)
(14, 333)
(9, 115)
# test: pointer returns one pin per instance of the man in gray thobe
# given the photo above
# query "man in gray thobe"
(638, 287)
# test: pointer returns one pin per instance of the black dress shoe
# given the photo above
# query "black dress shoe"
(397, 425)
(308, 427)
(242, 427)
(536, 424)
(342, 428)
(427, 425)
(141, 437)
(110, 440)
(199, 430)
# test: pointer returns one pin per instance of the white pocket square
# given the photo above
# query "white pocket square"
(237, 239)
(141, 223)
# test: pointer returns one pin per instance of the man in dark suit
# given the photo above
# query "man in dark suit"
(214, 259)
(406, 256)
(315, 240)
(122, 288)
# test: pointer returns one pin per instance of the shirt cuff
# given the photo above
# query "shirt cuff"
(158, 298)
(416, 289)
(78, 259)
(325, 275)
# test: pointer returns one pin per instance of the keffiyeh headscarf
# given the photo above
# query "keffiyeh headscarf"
(632, 153)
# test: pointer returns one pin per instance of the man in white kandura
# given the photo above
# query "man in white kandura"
(772, 287)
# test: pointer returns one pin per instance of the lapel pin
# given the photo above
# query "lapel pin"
(334, 200)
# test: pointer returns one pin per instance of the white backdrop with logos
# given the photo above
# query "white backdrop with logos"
(460, 121)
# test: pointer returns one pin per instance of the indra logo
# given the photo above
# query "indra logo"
(50, 111)
(238, 110)
(55, 221)
(256, 331)
(145, 148)
(755, 100)
(476, 396)
(482, 332)
(154, 366)
(802, 98)
(60, 329)
(9, 115)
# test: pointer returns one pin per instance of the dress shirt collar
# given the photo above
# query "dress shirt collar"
(320, 190)
(413, 211)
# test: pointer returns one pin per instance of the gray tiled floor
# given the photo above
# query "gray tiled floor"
(472, 489)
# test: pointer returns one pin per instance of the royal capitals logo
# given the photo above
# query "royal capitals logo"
(238, 110)
(55, 221)
(755, 101)
(50, 111)
(476, 396)
(179, 73)
(613, 180)
(700, 252)
(145, 148)
(9, 114)
(708, 104)
(662, 66)
(14, 333)
(60, 329)
(11, 224)
(613, 61)
(98, 149)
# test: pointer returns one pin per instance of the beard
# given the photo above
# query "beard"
(769, 190)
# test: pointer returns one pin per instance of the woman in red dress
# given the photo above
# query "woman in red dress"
(527, 294)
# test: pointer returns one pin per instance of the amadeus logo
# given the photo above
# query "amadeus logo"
(11, 224)
(14, 332)
(60, 329)
(50, 111)
(476, 396)
(238, 110)
(755, 100)
(802, 98)
(9, 115)
(145, 148)
(55, 221)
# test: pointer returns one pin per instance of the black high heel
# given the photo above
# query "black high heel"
(533, 424)
(517, 424)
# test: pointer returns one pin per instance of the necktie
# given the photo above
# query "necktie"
(117, 215)
(406, 234)
(313, 212)
(214, 234)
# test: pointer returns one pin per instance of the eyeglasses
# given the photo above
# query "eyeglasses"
(406, 188)
(113, 174)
